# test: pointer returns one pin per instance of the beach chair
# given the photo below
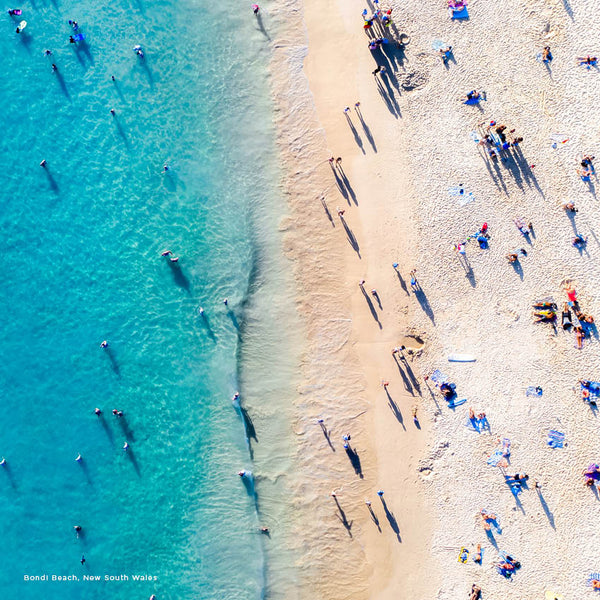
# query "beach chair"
(593, 581)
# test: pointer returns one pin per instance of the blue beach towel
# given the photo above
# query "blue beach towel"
(495, 458)
(593, 577)
(438, 377)
(459, 14)
(534, 390)
(556, 439)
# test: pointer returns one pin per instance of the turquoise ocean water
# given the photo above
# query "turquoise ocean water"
(81, 263)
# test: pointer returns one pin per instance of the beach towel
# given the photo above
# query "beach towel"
(458, 13)
(593, 389)
(505, 447)
(553, 596)
(593, 577)
(463, 556)
(438, 377)
(464, 197)
(497, 459)
(438, 45)
(556, 439)
(480, 560)
(534, 390)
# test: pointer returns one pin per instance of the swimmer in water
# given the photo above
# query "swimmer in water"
(14, 12)
(54, 68)
(112, 78)
(104, 344)
(200, 311)
(79, 458)
(43, 164)
(242, 473)
(47, 52)
(125, 446)
(166, 253)
(82, 559)
(139, 51)
(255, 8)
(3, 461)
(77, 529)
(112, 112)
(174, 259)
(97, 411)
(225, 301)
(117, 413)
(71, 39)
(166, 168)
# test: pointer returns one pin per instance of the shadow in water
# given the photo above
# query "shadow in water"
(133, 461)
(113, 361)
(179, 276)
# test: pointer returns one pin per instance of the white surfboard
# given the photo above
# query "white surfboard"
(461, 358)
(22, 25)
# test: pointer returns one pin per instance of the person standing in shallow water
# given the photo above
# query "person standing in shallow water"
(255, 8)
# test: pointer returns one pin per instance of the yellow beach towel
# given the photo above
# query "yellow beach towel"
(554, 596)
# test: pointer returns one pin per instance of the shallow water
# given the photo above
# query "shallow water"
(82, 243)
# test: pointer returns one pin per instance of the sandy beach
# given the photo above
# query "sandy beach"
(413, 183)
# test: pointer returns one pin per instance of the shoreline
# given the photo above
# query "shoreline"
(347, 355)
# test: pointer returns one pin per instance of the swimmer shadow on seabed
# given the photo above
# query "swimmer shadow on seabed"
(83, 54)
(62, 84)
(107, 429)
(394, 408)
(391, 520)
(83, 466)
(132, 459)
(209, 329)
(113, 361)
(121, 131)
(261, 26)
(179, 277)
(51, 180)
(9, 475)
(125, 428)
(342, 517)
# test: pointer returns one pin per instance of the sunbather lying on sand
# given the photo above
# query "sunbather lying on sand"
(475, 592)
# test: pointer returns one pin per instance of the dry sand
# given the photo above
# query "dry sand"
(413, 146)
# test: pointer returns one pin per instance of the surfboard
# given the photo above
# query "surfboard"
(22, 25)
(461, 358)
(454, 403)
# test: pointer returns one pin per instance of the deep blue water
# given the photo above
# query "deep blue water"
(81, 263)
